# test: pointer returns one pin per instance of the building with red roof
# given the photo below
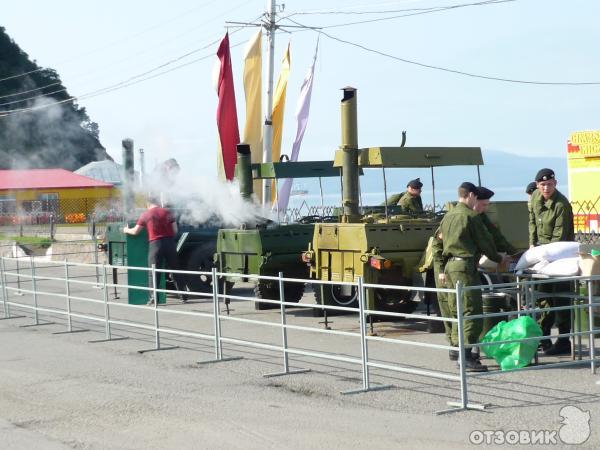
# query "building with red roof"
(58, 192)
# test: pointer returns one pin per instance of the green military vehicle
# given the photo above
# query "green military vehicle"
(383, 246)
(269, 248)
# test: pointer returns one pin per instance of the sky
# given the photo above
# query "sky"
(97, 44)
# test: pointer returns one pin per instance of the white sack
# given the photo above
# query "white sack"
(561, 268)
(487, 264)
(548, 252)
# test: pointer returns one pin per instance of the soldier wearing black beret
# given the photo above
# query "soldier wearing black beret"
(551, 220)
(481, 207)
(411, 200)
(530, 188)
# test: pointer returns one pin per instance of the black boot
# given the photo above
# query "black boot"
(453, 355)
(562, 346)
(545, 344)
(473, 364)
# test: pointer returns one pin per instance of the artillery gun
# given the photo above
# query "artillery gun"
(383, 246)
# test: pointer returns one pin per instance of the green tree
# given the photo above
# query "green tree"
(61, 135)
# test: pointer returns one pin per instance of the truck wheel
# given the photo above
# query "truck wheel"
(269, 290)
(334, 295)
(200, 260)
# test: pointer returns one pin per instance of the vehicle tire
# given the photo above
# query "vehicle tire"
(200, 260)
(269, 290)
(393, 300)
(334, 295)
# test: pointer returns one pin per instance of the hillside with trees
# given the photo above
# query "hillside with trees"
(35, 131)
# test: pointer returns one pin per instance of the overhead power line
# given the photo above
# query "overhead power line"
(109, 89)
(120, 41)
(417, 12)
(454, 71)
(338, 12)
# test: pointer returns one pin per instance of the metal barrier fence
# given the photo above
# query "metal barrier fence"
(63, 291)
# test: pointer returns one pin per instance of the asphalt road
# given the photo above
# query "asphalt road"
(63, 391)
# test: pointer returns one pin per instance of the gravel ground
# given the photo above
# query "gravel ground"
(67, 391)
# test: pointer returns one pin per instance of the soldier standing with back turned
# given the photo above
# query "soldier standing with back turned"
(464, 239)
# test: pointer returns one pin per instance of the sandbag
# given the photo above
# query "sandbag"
(561, 267)
(548, 252)
(515, 354)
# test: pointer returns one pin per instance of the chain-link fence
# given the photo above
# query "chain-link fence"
(45, 218)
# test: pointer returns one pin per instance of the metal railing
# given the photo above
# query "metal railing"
(64, 280)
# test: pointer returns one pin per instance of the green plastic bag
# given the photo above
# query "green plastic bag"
(515, 354)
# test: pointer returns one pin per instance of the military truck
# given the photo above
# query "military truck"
(270, 247)
(382, 246)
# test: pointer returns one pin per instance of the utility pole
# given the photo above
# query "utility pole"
(268, 125)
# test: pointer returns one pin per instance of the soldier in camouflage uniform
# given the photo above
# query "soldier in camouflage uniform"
(481, 207)
(551, 220)
(411, 200)
(529, 190)
(464, 239)
(439, 262)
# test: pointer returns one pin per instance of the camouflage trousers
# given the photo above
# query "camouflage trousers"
(442, 299)
(465, 272)
(562, 319)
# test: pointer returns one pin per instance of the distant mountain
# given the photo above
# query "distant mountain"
(32, 133)
(506, 174)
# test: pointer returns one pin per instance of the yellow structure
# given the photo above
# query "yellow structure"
(41, 192)
(584, 179)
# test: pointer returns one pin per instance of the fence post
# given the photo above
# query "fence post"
(5, 288)
(155, 297)
(34, 285)
(52, 227)
(464, 398)
(68, 293)
(3, 281)
(592, 343)
(106, 307)
(95, 240)
(286, 367)
(363, 340)
(18, 277)
(364, 347)
(217, 324)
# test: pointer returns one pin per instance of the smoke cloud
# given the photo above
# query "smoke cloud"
(202, 200)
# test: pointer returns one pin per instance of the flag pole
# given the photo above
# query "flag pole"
(268, 126)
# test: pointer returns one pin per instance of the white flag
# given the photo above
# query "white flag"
(302, 110)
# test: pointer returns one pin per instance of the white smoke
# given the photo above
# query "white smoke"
(203, 200)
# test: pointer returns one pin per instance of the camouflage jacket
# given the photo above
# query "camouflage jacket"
(550, 220)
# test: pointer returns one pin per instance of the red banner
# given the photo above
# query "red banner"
(227, 122)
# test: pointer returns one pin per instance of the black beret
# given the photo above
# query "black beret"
(531, 187)
(415, 184)
(484, 193)
(470, 187)
(544, 175)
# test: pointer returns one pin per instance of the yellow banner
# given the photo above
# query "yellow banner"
(253, 91)
(278, 109)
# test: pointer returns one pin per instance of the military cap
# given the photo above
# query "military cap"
(470, 187)
(484, 193)
(531, 187)
(544, 175)
(415, 184)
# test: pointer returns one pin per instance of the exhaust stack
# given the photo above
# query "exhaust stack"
(128, 196)
(244, 171)
(350, 157)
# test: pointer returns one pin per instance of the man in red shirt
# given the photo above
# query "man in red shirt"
(162, 228)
